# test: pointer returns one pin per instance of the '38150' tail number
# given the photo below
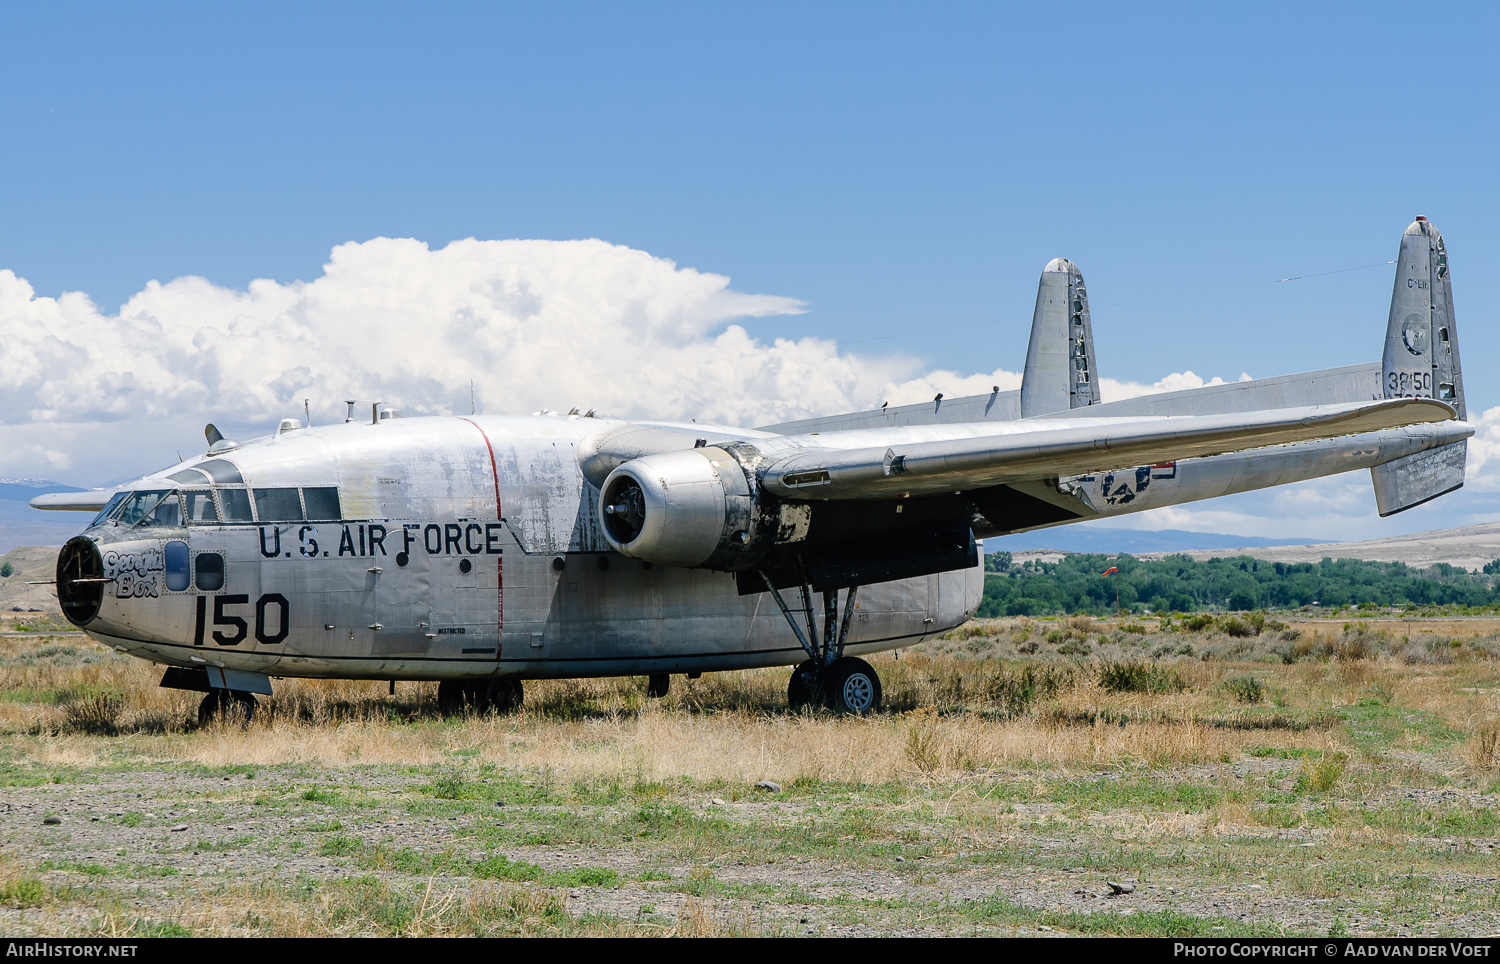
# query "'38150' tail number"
(268, 633)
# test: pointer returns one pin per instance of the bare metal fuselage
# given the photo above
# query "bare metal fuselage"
(467, 548)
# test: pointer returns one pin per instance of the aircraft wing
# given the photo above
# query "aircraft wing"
(90, 501)
(892, 463)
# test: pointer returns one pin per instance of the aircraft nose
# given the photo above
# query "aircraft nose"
(80, 580)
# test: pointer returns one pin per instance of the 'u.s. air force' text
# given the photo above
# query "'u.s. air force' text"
(369, 539)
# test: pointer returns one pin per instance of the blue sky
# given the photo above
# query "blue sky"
(903, 171)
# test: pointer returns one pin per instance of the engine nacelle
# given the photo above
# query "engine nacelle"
(697, 508)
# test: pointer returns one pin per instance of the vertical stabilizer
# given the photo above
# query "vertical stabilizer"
(1421, 340)
(1060, 372)
(1421, 361)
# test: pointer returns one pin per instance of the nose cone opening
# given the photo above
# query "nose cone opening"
(80, 580)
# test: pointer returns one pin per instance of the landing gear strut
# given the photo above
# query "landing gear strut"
(456, 697)
(828, 677)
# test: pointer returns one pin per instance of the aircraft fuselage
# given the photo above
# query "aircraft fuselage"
(439, 548)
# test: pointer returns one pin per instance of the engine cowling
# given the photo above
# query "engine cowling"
(697, 508)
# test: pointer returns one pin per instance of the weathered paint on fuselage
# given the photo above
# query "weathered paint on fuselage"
(445, 564)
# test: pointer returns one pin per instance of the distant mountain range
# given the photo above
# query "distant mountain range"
(1110, 541)
(21, 490)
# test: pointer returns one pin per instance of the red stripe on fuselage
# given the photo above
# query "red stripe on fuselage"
(499, 560)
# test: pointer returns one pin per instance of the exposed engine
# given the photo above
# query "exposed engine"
(698, 507)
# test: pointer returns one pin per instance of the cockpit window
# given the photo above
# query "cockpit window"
(278, 505)
(109, 507)
(222, 470)
(200, 506)
(236, 505)
(168, 512)
(322, 504)
(189, 477)
(138, 506)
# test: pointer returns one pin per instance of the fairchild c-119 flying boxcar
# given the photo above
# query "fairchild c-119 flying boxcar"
(487, 550)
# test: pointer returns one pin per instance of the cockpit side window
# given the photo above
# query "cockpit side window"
(278, 505)
(199, 505)
(168, 512)
(137, 505)
(322, 504)
(109, 507)
(236, 505)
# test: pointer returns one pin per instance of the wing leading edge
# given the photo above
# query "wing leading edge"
(1030, 450)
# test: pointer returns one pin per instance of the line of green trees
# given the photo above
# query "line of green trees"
(1182, 584)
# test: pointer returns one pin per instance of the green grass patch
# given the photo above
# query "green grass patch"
(341, 846)
(1140, 677)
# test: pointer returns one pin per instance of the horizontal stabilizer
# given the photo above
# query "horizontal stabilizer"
(1418, 478)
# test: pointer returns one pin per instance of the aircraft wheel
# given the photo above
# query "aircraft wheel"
(802, 689)
(228, 705)
(503, 695)
(657, 685)
(852, 686)
(451, 697)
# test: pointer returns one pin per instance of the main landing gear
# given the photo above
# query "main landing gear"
(231, 706)
(828, 678)
(457, 697)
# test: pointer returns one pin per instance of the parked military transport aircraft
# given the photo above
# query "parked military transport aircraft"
(483, 551)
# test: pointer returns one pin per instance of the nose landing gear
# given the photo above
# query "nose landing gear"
(828, 678)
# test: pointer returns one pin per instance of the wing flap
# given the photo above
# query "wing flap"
(1053, 448)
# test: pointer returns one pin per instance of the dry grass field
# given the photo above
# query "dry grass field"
(1234, 779)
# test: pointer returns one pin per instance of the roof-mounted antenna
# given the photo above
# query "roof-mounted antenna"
(307, 411)
(471, 396)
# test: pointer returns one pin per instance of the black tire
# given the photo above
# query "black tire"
(228, 705)
(452, 698)
(658, 685)
(851, 685)
(802, 688)
(503, 695)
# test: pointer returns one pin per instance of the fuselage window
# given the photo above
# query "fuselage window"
(236, 505)
(109, 507)
(175, 554)
(278, 505)
(209, 568)
(137, 505)
(200, 506)
(322, 504)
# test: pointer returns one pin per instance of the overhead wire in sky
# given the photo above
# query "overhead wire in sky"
(1254, 284)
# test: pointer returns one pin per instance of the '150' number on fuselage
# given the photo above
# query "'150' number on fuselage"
(270, 627)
